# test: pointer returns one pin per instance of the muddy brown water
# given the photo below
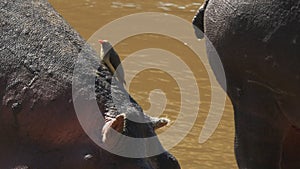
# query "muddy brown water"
(87, 16)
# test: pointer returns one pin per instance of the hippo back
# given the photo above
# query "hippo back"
(260, 39)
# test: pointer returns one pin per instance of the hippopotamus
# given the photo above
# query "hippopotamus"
(258, 43)
(38, 124)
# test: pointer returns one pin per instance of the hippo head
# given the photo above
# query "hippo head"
(117, 125)
(132, 129)
(127, 119)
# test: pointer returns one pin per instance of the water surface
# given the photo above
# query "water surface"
(87, 16)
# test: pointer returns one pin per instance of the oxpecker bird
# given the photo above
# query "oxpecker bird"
(112, 60)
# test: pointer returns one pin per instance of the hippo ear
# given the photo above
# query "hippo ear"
(159, 122)
(116, 123)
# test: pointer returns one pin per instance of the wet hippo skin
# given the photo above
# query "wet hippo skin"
(38, 124)
(259, 45)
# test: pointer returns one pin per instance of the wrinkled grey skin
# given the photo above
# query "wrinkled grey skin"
(38, 124)
(259, 45)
